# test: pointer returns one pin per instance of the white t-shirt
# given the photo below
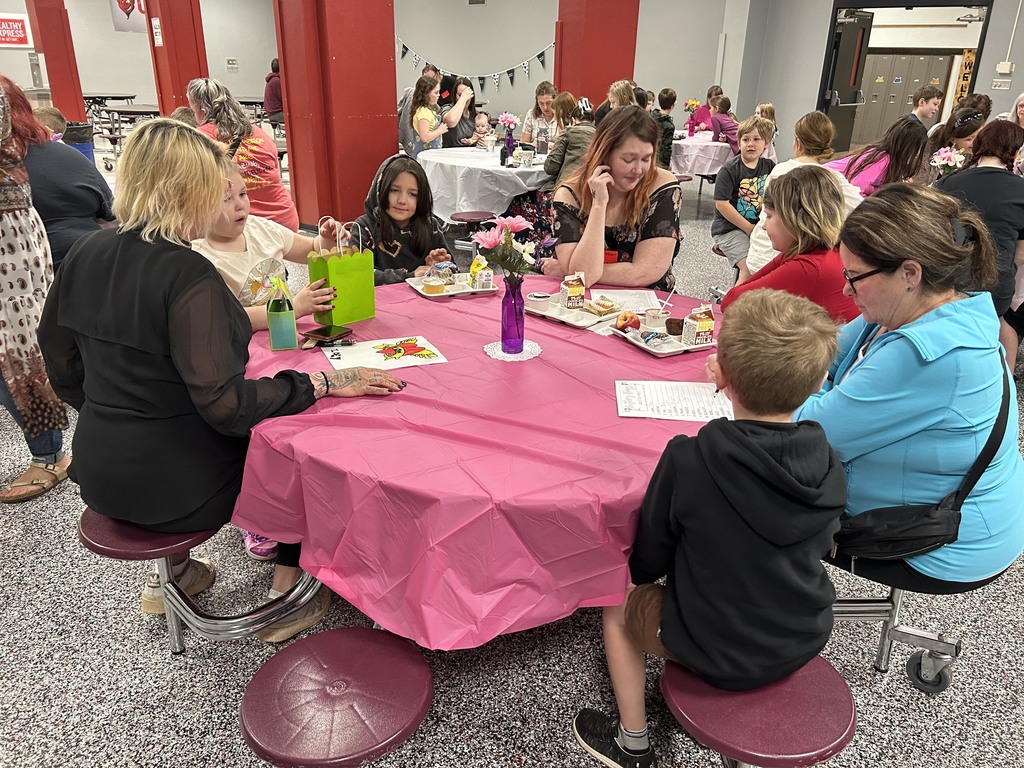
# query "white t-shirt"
(246, 273)
(761, 250)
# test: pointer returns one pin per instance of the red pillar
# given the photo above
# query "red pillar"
(588, 55)
(178, 48)
(338, 83)
(51, 32)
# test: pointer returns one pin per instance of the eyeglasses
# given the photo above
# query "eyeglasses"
(857, 278)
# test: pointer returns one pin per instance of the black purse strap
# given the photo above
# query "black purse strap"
(991, 445)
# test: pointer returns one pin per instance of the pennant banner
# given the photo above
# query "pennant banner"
(541, 56)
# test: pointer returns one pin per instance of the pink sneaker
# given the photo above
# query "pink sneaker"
(259, 547)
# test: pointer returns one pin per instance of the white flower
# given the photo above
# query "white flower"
(526, 249)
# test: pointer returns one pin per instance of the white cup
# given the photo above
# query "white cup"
(526, 157)
(655, 317)
(490, 141)
(539, 301)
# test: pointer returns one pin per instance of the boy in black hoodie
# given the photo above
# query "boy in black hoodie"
(738, 518)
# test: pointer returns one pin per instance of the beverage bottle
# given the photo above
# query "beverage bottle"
(542, 140)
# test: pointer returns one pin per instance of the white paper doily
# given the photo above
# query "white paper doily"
(530, 350)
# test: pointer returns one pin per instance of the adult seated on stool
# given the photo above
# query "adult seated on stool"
(764, 489)
(916, 387)
(143, 338)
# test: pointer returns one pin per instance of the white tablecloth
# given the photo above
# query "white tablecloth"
(698, 155)
(470, 179)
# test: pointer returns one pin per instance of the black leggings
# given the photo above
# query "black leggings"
(214, 513)
(896, 573)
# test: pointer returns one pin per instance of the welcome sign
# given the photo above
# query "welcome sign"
(14, 31)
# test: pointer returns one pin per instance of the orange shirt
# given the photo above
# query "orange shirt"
(256, 157)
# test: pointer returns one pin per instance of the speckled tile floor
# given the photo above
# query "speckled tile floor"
(86, 679)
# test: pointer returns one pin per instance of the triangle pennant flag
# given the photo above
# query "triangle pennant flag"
(496, 77)
(526, 68)
(511, 77)
(540, 58)
(415, 60)
(405, 50)
(480, 81)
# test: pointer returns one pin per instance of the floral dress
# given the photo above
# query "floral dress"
(661, 219)
(26, 271)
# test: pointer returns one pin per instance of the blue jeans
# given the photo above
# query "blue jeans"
(45, 447)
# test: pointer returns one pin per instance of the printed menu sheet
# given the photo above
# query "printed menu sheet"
(676, 400)
(385, 353)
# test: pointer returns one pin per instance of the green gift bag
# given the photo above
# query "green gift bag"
(349, 270)
(281, 317)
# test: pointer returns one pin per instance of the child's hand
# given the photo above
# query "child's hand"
(313, 298)
(421, 271)
(714, 372)
(701, 127)
(333, 231)
(436, 256)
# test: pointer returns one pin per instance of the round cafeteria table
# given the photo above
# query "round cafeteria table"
(486, 497)
(470, 178)
(698, 155)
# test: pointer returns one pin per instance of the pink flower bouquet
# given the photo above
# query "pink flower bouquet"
(948, 160)
(515, 258)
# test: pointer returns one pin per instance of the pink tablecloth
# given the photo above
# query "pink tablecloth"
(698, 155)
(487, 497)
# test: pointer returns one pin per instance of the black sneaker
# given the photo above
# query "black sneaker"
(596, 732)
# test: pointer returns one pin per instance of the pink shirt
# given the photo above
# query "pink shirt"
(256, 158)
(869, 178)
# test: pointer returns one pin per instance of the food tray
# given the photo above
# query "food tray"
(577, 318)
(669, 348)
(460, 288)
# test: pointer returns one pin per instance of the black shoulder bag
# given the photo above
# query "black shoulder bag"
(893, 533)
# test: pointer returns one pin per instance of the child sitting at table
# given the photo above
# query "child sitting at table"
(723, 126)
(701, 118)
(482, 127)
(738, 519)
(247, 251)
(738, 190)
(399, 225)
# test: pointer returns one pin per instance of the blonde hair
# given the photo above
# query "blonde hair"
(815, 133)
(764, 128)
(623, 93)
(170, 181)
(221, 108)
(909, 222)
(809, 205)
(618, 126)
(775, 349)
(767, 110)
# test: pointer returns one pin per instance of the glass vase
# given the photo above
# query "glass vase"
(512, 316)
(510, 142)
(690, 130)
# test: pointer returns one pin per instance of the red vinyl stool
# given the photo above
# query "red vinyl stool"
(473, 219)
(800, 720)
(338, 698)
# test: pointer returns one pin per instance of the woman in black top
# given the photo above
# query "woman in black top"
(142, 337)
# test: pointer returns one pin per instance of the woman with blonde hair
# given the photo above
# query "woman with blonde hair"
(813, 135)
(542, 116)
(162, 343)
(221, 117)
(804, 211)
(616, 218)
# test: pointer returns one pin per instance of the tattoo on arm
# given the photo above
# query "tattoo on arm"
(320, 384)
(346, 377)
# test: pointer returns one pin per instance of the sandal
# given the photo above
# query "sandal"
(56, 476)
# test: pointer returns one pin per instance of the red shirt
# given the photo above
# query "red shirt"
(256, 158)
(816, 275)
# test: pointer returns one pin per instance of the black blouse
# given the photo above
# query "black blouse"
(147, 343)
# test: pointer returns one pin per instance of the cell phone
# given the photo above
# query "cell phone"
(328, 332)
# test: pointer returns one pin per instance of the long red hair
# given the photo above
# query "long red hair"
(25, 129)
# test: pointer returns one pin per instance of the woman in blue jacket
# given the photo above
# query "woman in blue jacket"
(917, 383)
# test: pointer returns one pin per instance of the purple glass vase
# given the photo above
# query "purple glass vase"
(510, 142)
(512, 316)
(690, 131)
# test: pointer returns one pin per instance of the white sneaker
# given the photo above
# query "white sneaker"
(299, 619)
(199, 575)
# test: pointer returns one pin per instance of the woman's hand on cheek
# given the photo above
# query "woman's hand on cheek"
(599, 182)
(314, 298)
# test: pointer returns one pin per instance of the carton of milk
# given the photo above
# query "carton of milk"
(699, 326)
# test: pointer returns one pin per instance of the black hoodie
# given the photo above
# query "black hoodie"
(739, 518)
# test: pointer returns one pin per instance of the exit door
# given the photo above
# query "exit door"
(847, 60)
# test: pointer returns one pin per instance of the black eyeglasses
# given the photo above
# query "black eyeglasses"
(862, 276)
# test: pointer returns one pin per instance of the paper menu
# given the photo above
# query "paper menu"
(675, 400)
(387, 354)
